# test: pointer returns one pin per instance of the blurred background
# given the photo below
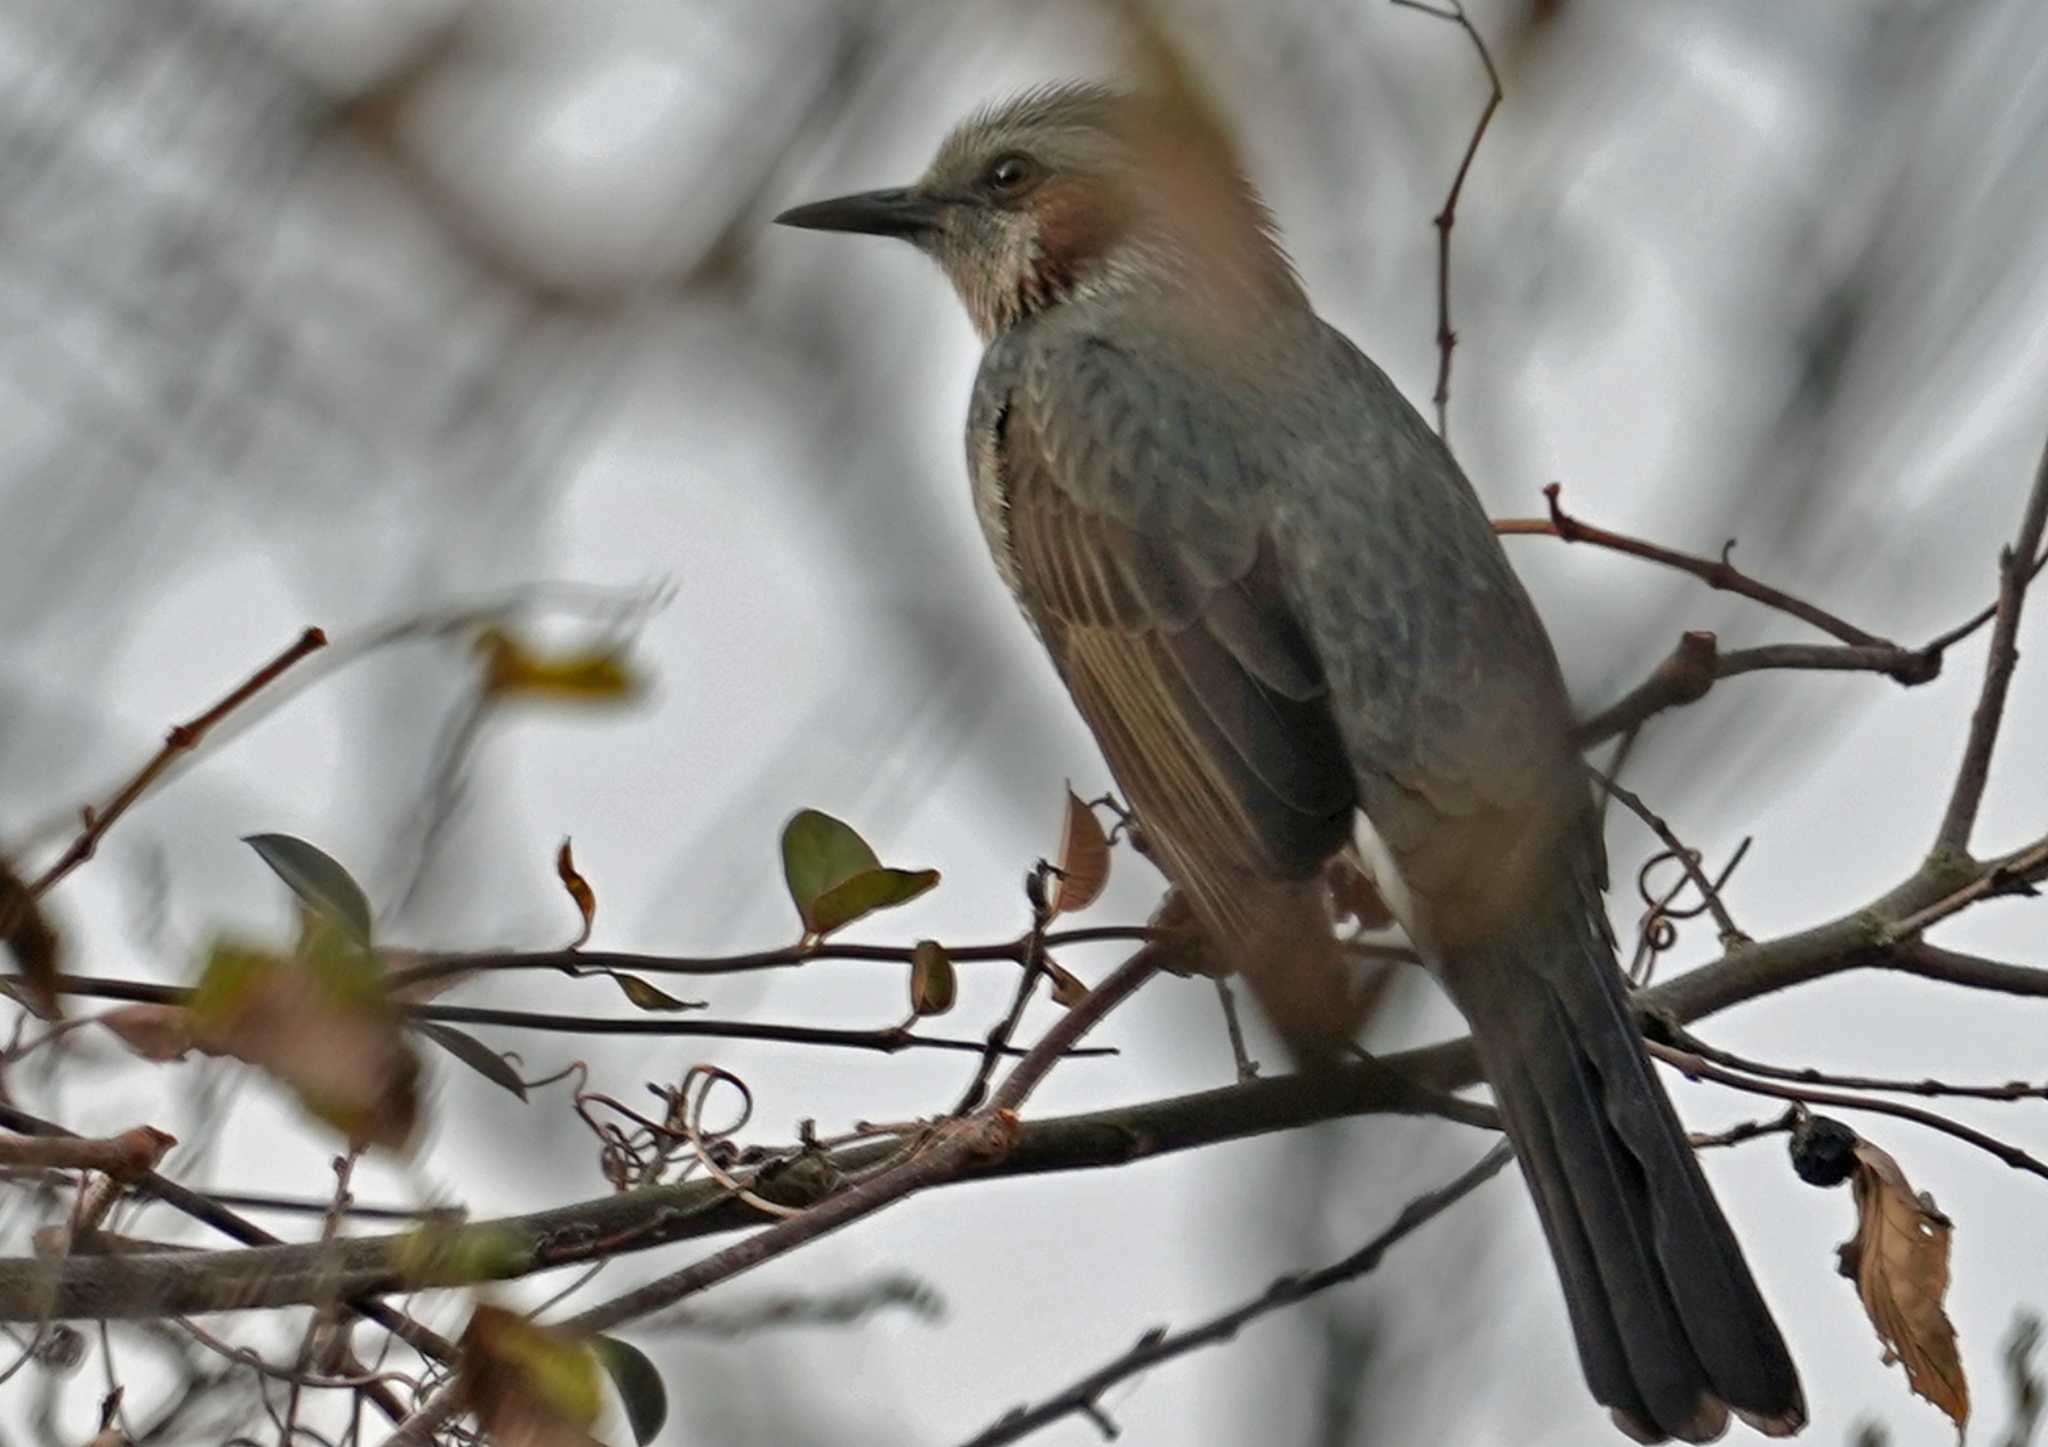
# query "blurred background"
(355, 312)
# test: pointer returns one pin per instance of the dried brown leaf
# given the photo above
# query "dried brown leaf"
(1067, 989)
(579, 891)
(155, 1032)
(1898, 1259)
(933, 987)
(1083, 863)
(27, 936)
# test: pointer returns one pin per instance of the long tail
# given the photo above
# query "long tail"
(1672, 1332)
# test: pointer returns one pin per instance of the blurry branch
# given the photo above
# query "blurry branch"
(1084, 1397)
(836, 1308)
(125, 1156)
(34, 1276)
(949, 1151)
(1447, 217)
(182, 739)
(2024, 1381)
(618, 607)
(2014, 574)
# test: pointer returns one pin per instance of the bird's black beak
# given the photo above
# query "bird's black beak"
(900, 213)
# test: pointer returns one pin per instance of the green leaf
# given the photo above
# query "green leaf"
(646, 997)
(933, 985)
(865, 893)
(316, 878)
(639, 1383)
(475, 1054)
(819, 853)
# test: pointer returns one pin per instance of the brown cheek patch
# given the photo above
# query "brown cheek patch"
(1077, 222)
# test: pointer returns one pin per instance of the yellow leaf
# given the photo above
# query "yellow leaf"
(1899, 1262)
(528, 1384)
(513, 669)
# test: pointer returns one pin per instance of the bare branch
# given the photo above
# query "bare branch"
(1717, 573)
(1084, 1397)
(1445, 219)
(182, 739)
(2014, 574)
(1694, 1067)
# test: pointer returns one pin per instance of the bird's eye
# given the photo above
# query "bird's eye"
(1008, 175)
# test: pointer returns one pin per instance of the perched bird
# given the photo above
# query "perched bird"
(1280, 607)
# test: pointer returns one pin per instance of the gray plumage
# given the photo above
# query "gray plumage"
(1281, 609)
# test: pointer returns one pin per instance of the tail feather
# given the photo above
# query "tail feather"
(1671, 1329)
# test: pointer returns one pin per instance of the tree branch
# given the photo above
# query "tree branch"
(1084, 1397)
(2014, 574)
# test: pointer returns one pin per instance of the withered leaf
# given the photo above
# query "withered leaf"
(579, 891)
(1898, 1259)
(155, 1032)
(1067, 989)
(28, 937)
(933, 986)
(529, 1385)
(646, 997)
(1083, 863)
(513, 668)
(323, 1026)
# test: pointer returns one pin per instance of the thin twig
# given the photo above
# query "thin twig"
(1683, 1039)
(886, 1040)
(1247, 1068)
(1445, 219)
(2014, 574)
(1695, 1067)
(1689, 859)
(182, 739)
(410, 969)
(1084, 1397)
(1718, 573)
(1747, 1130)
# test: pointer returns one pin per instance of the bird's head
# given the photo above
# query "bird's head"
(1071, 188)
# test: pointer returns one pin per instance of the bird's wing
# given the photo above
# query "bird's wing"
(1172, 632)
(1275, 598)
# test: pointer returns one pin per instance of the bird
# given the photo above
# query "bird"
(1280, 607)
